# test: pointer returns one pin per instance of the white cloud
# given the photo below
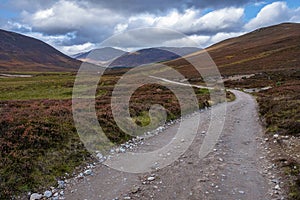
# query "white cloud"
(16, 25)
(191, 20)
(69, 16)
(190, 41)
(227, 18)
(119, 28)
(73, 49)
(65, 15)
(260, 3)
(75, 26)
(43, 14)
(272, 14)
(54, 40)
(223, 36)
(197, 30)
(178, 21)
(296, 16)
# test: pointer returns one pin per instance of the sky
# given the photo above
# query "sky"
(74, 26)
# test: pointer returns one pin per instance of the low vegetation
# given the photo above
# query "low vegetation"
(38, 141)
(38, 144)
(39, 86)
(280, 104)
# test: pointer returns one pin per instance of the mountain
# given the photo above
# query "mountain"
(99, 56)
(266, 49)
(22, 53)
(151, 55)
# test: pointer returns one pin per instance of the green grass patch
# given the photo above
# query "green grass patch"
(39, 86)
(202, 91)
(143, 119)
(294, 193)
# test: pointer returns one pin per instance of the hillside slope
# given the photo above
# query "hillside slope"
(22, 53)
(266, 49)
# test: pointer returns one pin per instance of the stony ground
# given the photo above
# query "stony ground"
(237, 168)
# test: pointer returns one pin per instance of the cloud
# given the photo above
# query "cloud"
(63, 42)
(129, 7)
(272, 14)
(190, 41)
(157, 6)
(54, 40)
(29, 5)
(66, 16)
(142, 37)
(78, 25)
(75, 24)
(191, 21)
(259, 3)
(223, 36)
(58, 23)
(296, 16)
(73, 49)
(157, 37)
(226, 19)
(11, 25)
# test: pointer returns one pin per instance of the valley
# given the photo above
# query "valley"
(40, 146)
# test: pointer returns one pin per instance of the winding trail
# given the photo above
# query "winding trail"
(178, 83)
(232, 170)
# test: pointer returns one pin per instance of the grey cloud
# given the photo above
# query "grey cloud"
(28, 5)
(89, 23)
(139, 6)
(104, 23)
(92, 21)
(144, 37)
(130, 6)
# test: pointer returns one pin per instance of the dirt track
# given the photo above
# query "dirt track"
(235, 169)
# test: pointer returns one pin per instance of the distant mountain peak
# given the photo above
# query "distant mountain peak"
(100, 56)
(118, 58)
(151, 55)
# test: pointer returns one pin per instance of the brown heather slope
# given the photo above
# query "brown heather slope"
(22, 53)
(266, 49)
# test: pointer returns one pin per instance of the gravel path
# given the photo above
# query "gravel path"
(235, 169)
